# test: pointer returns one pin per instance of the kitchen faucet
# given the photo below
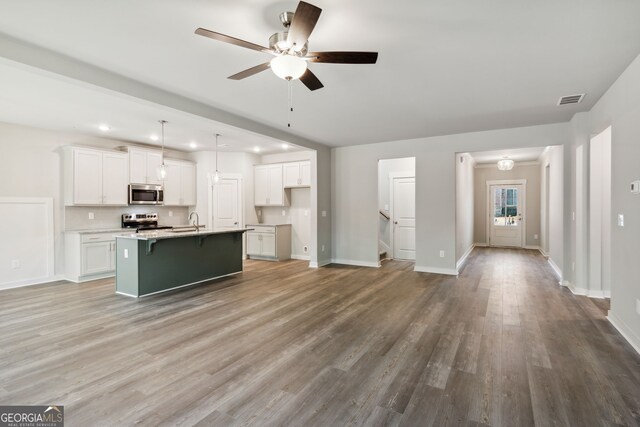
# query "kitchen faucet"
(196, 223)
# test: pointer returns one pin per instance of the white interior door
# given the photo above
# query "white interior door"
(227, 204)
(506, 215)
(403, 215)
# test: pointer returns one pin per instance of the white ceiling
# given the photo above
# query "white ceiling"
(518, 155)
(444, 66)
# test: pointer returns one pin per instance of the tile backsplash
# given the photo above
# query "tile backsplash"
(77, 217)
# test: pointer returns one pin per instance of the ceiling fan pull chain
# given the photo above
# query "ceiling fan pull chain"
(289, 102)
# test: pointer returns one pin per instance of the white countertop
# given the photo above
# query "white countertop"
(99, 230)
(168, 234)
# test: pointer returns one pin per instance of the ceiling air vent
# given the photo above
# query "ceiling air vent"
(571, 99)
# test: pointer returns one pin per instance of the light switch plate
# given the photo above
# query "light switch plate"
(635, 187)
(324, 213)
(441, 254)
(91, 215)
(620, 220)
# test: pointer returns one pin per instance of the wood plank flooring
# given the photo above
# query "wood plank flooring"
(282, 344)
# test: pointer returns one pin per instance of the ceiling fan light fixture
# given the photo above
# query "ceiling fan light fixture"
(288, 67)
(505, 164)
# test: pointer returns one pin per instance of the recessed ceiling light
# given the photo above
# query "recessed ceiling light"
(104, 127)
(193, 144)
(285, 146)
(256, 149)
(154, 137)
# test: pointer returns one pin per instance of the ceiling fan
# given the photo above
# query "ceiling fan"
(290, 48)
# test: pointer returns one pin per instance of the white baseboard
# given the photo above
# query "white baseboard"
(436, 270)
(31, 282)
(532, 247)
(301, 257)
(464, 257)
(556, 269)
(626, 332)
(319, 263)
(355, 263)
(586, 292)
(480, 245)
(544, 254)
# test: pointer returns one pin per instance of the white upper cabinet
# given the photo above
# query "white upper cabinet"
(180, 183)
(114, 179)
(297, 174)
(95, 177)
(268, 186)
(144, 165)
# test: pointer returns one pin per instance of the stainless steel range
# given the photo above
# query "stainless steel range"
(142, 222)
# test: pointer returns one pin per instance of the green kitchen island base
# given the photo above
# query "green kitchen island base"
(150, 263)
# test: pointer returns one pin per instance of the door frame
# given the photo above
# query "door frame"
(211, 188)
(488, 199)
(392, 176)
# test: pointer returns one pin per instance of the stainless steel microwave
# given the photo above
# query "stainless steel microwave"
(145, 194)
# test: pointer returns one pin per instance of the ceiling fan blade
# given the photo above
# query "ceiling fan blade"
(304, 20)
(228, 39)
(250, 71)
(311, 81)
(344, 57)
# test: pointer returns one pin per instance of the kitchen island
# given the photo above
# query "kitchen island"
(153, 262)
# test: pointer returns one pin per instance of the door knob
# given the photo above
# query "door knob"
(395, 222)
(235, 223)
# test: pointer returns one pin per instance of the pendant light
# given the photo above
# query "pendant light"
(162, 170)
(216, 175)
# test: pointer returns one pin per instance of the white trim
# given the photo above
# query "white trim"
(322, 263)
(96, 276)
(600, 294)
(436, 270)
(480, 245)
(355, 263)
(489, 199)
(50, 245)
(27, 282)
(543, 253)
(556, 270)
(626, 332)
(301, 257)
(532, 247)
(495, 166)
(463, 258)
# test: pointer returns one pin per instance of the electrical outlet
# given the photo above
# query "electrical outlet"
(305, 249)
(170, 213)
(535, 237)
(620, 220)
(91, 215)
(126, 253)
(322, 248)
(284, 213)
(441, 254)
(386, 208)
(324, 213)
(15, 264)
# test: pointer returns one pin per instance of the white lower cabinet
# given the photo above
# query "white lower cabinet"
(90, 256)
(269, 242)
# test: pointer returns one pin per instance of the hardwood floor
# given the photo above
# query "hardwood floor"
(282, 344)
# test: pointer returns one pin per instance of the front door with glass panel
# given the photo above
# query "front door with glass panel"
(505, 221)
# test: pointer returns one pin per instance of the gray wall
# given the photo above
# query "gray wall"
(530, 172)
(620, 108)
(354, 199)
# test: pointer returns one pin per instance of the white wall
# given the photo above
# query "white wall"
(31, 161)
(385, 168)
(228, 163)
(554, 158)
(465, 205)
(530, 172)
(620, 109)
(354, 199)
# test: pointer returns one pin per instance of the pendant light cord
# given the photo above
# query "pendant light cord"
(162, 122)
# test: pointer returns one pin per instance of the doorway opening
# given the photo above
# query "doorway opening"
(506, 221)
(397, 209)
